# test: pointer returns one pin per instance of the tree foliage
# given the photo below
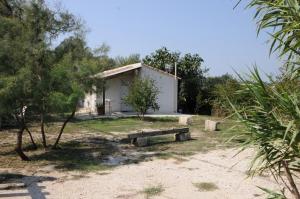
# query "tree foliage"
(34, 76)
(283, 17)
(123, 61)
(142, 96)
(218, 90)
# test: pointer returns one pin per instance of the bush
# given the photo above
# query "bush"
(273, 127)
(142, 96)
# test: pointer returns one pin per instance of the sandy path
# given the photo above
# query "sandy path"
(177, 178)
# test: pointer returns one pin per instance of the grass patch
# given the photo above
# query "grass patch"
(85, 144)
(125, 125)
(153, 191)
(206, 186)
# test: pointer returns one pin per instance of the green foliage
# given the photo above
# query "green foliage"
(71, 75)
(35, 75)
(223, 88)
(274, 117)
(283, 17)
(15, 74)
(142, 96)
(161, 58)
(189, 69)
(272, 194)
(273, 121)
(123, 61)
(101, 54)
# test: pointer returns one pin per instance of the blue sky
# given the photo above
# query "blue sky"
(225, 38)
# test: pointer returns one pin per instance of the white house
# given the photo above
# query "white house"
(117, 83)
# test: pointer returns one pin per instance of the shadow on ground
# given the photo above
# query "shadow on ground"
(99, 153)
(80, 154)
(95, 152)
(17, 185)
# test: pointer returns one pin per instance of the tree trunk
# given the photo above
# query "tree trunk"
(43, 131)
(62, 128)
(31, 138)
(289, 176)
(18, 148)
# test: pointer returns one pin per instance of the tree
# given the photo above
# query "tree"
(161, 58)
(33, 75)
(15, 73)
(273, 118)
(46, 25)
(222, 88)
(101, 53)
(123, 61)
(71, 78)
(189, 69)
(142, 96)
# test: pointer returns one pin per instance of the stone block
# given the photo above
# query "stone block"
(211, 125)
(140, 142)
(182, 137)
(185, 120)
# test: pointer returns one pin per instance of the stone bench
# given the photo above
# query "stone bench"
(211, 125)
(142, 138)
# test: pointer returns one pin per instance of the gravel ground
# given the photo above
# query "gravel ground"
(177, 179)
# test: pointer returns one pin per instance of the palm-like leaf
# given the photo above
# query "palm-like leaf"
(273, 122)
(283, 16)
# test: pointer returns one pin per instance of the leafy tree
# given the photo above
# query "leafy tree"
(101, 53)
(106, 62)
(161, 58)
(123, 61)
(46, 25)
(15, 73)
(219, 90)
(142, 96)
(189, 69)
(33, 75)
(71, 78)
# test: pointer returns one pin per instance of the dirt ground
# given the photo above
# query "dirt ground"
(94, 163)
(177, 179)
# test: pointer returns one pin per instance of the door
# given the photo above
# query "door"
(124, 92)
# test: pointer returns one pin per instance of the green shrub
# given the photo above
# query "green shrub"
(142, 96)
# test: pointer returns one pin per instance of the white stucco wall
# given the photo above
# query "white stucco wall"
(115, 92)
(89, 104)
(112, 92)
(167, 85)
